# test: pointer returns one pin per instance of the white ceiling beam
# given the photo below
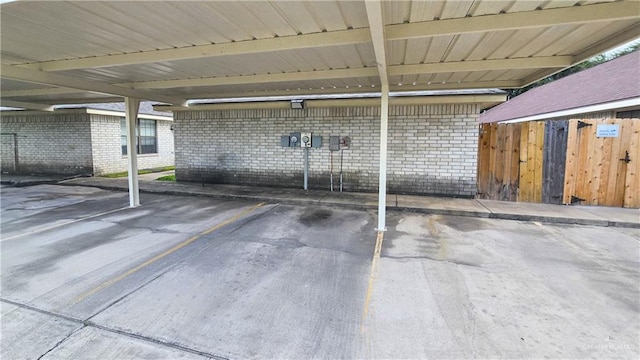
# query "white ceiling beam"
(495, 84)
(26, 105)
(383, 71)
(286, 92)
(619, 10)
(41, 77)
(482, 65)
(110, 99)
(39, 92)
(334, 38)
(255, 79)
(502, 84)
(376, 26)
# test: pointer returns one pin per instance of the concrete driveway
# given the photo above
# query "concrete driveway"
(187, 277)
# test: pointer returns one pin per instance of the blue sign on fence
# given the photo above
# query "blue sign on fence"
(608, 130)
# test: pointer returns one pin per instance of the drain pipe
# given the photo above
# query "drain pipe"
(331, 168)
(306, 168)
(341, 170)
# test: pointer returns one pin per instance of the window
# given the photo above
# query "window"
(146, 139)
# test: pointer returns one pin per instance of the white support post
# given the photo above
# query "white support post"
(132, 105)
(382, 182)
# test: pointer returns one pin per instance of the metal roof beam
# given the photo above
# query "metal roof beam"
(334, 38)
(499, 84)
(383, 71)
(482, 65)
(255, 79)
(39, 92)
(40, 77)
(502, 84)
(619, 10)
(26, 105)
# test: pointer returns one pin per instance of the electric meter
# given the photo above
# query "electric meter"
(305, 140)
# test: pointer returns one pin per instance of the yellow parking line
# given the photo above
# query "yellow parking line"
(167, 252)
(372, 274)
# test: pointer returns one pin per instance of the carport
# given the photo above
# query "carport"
(173, 52)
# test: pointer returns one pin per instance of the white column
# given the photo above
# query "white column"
(132, 105)
(382, 182)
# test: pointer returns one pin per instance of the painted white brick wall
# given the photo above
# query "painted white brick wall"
(48, 143)
(432, 149)
(107, 154)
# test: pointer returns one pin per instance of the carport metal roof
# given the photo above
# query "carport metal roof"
(172, 51)
(75, 52)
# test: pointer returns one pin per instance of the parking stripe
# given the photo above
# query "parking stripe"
(165, 253)
(372, 275)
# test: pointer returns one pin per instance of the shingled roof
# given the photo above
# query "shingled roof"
(608, 83)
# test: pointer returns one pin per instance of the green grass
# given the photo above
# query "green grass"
(167, 178)
(140, 172)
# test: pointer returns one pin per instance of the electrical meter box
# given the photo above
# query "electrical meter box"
(294, 139)
(334, 143)
(284, 141)
(316, 141)
(305, 140)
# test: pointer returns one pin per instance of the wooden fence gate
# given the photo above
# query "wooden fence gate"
(603, 163)
(561, 162)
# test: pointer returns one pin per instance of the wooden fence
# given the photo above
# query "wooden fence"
(561, 162)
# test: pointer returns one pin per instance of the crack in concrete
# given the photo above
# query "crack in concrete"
(61, 341)
(88, 323)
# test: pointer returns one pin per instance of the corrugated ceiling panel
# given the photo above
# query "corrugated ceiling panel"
(355, 13)
(598, 31)
(552, 35)
(516, 74)
(415, 50)
(437, 49)
(297, 16)
(341, 57)
(519, 40)
(425, 10)
(519, 5)
(463, 45)
(456, 9)
(328, 15)
(490, 43)
(491, 7)
(397, 12)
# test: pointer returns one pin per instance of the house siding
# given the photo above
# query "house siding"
(432, 149)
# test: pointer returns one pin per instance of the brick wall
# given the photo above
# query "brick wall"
(48, 143)
(432, 149)
(107, 153)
